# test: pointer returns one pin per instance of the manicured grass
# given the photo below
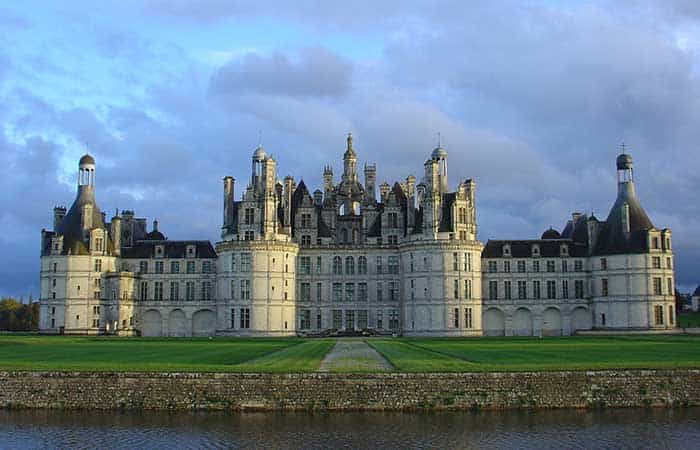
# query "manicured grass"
(304, 357)
(139, 354)
(524, 354)
(689, 320)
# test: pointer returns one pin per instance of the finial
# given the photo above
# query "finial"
(439, 137)
(259, 138)
(349, 141)
(622, 146)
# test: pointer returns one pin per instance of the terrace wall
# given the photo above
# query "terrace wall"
(323, 391)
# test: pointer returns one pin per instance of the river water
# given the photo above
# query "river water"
(658, 428)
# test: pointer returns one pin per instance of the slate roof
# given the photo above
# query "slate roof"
(71, 225)
(612, 239)
(446, 216)
(173, 249)
(549, 248)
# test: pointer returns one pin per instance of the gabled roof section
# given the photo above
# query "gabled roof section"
(172, 249)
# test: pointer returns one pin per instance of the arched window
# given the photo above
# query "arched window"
(344, 236)
(362, 265)
(337, 265)
(349, 265)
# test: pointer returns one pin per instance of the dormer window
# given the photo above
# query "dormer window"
(190, 251)
(160, 250)
(564, 250)
(535, 250)
(506, 250)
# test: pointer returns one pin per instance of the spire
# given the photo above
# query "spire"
(349, 152)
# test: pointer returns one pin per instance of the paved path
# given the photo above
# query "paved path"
(354, 355)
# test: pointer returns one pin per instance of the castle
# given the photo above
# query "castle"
(408, 261)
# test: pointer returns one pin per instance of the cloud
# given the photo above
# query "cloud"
(317, 72)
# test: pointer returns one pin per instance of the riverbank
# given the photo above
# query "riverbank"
(349, 392)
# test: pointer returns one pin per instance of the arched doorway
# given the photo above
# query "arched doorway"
(581, 319)
(152, 324)
(177, 323)
(522, 322)
(203, 323)
(494, 323)
(551, 322)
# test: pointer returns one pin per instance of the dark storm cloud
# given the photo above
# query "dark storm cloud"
(317, 73)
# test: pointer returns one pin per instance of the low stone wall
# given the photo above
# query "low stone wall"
(351, 392)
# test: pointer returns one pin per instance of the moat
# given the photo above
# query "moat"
(619, 428)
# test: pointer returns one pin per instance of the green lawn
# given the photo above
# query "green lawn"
(148, 354)
(522, 354)
(689, 320)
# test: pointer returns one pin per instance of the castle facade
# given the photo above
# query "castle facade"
(404, 260)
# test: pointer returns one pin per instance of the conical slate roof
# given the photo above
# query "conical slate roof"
(71, 225)
(613, 239)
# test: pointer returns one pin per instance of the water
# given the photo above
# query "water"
(543, 429)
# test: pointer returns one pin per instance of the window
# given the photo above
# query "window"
(96, 295)
(521, 266)
(206, 290)
(467, 262)
(393, 220)
(175, 267)
(456, 289)
(462, 235)
(578, 288)
(456, 317)
(233, 318)
(305, 319)
(550, 266)
(349, 320)
(394, 291)
(337, 292)
(143, 291)
(393, 240)
(245, 262)
(350, 292)
(337, 265)
(669, 264)
(244, 318)
(174, 290)
(578, 265)
(143, 267)
(535, 266)
(536, 290)
(249, 235)
(603, 264)
(319, 322)
(670, 314)
(380, 319)
(507, 290)
(189, 290)
(393, 320)
(362, 265)
(362, 292)
(306, 240)
(380, 291)
(319, 264)
(337, 319)
(98, 244)
(506, 266)
(462, 215)
(468, 289)
(349, 265)
(361, 319)
(190, 266)
(658, 315)
(305, 292)
(656, 262)
(159, 266)
(206, 267)
(565, 288)
(249, 216)
(455, 261)
(233, 289)
(468, 318)
(669, 285)
(522, 290)
(305, 265)
(493, 268)
(245, 289)
(655, 242)
(604, 287)
(158, 290)
(564, 266)
(306, 220)
(319, 288)
(393, 264)
(379, 265)
(98, 265)
(657, 286)
(493, 290)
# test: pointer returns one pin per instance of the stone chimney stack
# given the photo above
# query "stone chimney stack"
(116, 233)
(59, 212)
(229, 195)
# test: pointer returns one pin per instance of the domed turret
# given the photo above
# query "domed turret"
(624, 162)
(551, 233)
(259, 154)
(87, 159)
(438, 154)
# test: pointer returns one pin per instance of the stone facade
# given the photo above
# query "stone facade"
(404, 260)
(350, 392)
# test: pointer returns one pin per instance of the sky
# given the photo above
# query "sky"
(531, 99)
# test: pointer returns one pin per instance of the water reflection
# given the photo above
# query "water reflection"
(543, 429)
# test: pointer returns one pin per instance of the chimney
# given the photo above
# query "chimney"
(384, 190)
(318, 197)
(59, 212)
(229, 186)
(116, 232)
(370, 182)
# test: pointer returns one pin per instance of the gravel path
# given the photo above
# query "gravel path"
(354, 355)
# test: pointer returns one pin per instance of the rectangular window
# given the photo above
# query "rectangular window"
(670, 314)
(578, 265)
(189, 290)
(462, 215)
(521, 266)
(159, 266)
(658, 315)
(657, 286)
(393, 240)
(306, 240)
(394, 264)
(455, 261)
(603, 264)
(233, 289)
(506, 266)
(655, 242)
(362, 292)
(245, 289)
(535, 266)
(564, 266)
(319, 288)
(319, 321)
(604, 287)
(362, 319)
(380, 291)
(349, 319)
(249, 216)
(337, 319)
(306, 220)
(98, 265)
(669, 264)
(337, 292)
(249, 235)
(468, 289)
(550, 266)
(379, 265)
(305, 265)
(244, 318)
(245, 262)
(656, 262)
(206, 267)
(380, 319)
(174, 290)
(565, 288)
(669, 286)
(522, 290)
(158, 290)
(493, 268)
(175, 267)
(98, 244)
(493, 290)
(507, 290)
(456, 317)
(536, 290)
(190, 267)
(305, 292)
(233, 318)
(394, 291)
(319, 262)
(393, 320)
(578, 288)
(456, 289)
(393, 220)
(233, 262)
(468, 318)
(305, 319)
(206, 290)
